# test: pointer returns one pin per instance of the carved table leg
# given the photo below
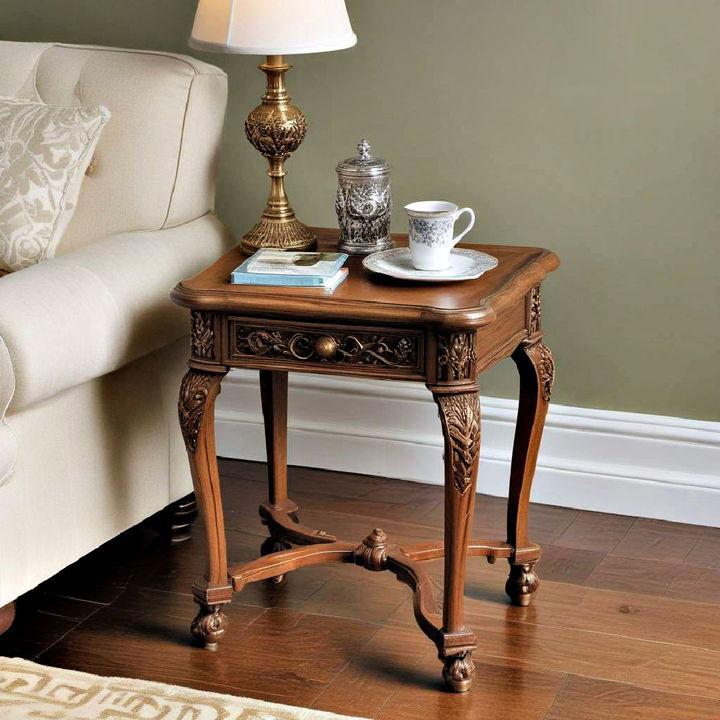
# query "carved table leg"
(274, 395)
(196, 409)
(460, 417)
(535, 365)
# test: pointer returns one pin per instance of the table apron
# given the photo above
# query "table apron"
(342, 349)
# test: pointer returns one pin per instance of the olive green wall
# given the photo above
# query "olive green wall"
(588, 126)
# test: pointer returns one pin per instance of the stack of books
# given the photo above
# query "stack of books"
(292, 269)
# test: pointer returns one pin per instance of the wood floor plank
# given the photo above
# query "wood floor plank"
(630, 615)
(652, 665)
(596, 531)
(706, 552)
(568, 565)
(64, 607)
(356, 599)
(499, 693)
(385, 664)
(653, 577)
(371, 508)
(696, 583)
(590, 699)
(274, 654)
(90, 580)
(33, 632)
(353, 527)
(659, 540)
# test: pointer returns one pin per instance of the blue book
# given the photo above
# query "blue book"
(291, 269)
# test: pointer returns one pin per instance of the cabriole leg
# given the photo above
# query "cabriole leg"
(460, 417)
(196, 409)
(537, 371)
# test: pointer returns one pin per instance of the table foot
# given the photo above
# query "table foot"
(209, 625)
(522, 584)
(458, 671)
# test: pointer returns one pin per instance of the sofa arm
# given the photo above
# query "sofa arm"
(82, 315)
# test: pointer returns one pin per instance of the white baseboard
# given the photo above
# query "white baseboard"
(615, 462)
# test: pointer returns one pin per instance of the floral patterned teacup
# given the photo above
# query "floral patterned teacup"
(432, 228)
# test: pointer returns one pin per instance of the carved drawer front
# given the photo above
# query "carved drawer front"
(346, 350)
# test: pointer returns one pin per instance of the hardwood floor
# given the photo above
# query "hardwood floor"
(626, 622)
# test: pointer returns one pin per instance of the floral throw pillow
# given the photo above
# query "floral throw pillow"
(44, 153)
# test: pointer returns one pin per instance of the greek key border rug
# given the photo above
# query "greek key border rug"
(35, 692)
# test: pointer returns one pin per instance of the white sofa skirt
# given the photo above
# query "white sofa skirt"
(89, 466)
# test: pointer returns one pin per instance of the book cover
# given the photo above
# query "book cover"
(282, 262)
(246, 278)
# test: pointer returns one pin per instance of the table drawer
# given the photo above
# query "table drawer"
(322, 348)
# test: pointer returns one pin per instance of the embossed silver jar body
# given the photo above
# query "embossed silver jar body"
(364, 203)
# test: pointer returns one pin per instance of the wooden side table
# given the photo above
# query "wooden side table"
(442, 335)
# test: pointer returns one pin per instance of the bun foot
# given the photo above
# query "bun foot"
(270, 546)
(209, 626)
(458, 672)
(522, 584)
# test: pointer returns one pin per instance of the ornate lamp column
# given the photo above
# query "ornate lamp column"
(275, 129)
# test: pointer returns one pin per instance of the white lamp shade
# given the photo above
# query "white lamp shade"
(272, 27)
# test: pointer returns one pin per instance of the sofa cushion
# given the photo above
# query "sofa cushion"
(19, 63)
(44, 153)
(80, 316)
(157, 157)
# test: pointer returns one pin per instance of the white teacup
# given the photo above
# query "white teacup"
(432, 228)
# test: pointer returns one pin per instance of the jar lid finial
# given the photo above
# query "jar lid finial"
(364, 149)
(363, 164)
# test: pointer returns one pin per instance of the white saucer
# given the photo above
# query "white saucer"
(464, 265)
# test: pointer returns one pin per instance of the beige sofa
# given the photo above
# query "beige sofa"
(91, 348)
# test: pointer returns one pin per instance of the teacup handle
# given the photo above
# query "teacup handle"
(470, 212)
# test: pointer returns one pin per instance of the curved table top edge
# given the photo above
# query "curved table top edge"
(309, 308)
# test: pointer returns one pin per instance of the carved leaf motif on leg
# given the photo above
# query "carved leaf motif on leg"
(456, 356)
(545, 364)
(535, 322)
(194, 392)
(460, 416)
(203, 335)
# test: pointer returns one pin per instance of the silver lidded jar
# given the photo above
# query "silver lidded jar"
(364, 203)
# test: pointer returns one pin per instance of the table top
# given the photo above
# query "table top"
(370, 298)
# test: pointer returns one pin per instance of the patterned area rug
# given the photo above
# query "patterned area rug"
(36, 692)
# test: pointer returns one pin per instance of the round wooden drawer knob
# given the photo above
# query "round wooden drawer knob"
(326, 347)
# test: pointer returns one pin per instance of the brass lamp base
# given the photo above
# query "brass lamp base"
(276, 128)
(283, 234)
